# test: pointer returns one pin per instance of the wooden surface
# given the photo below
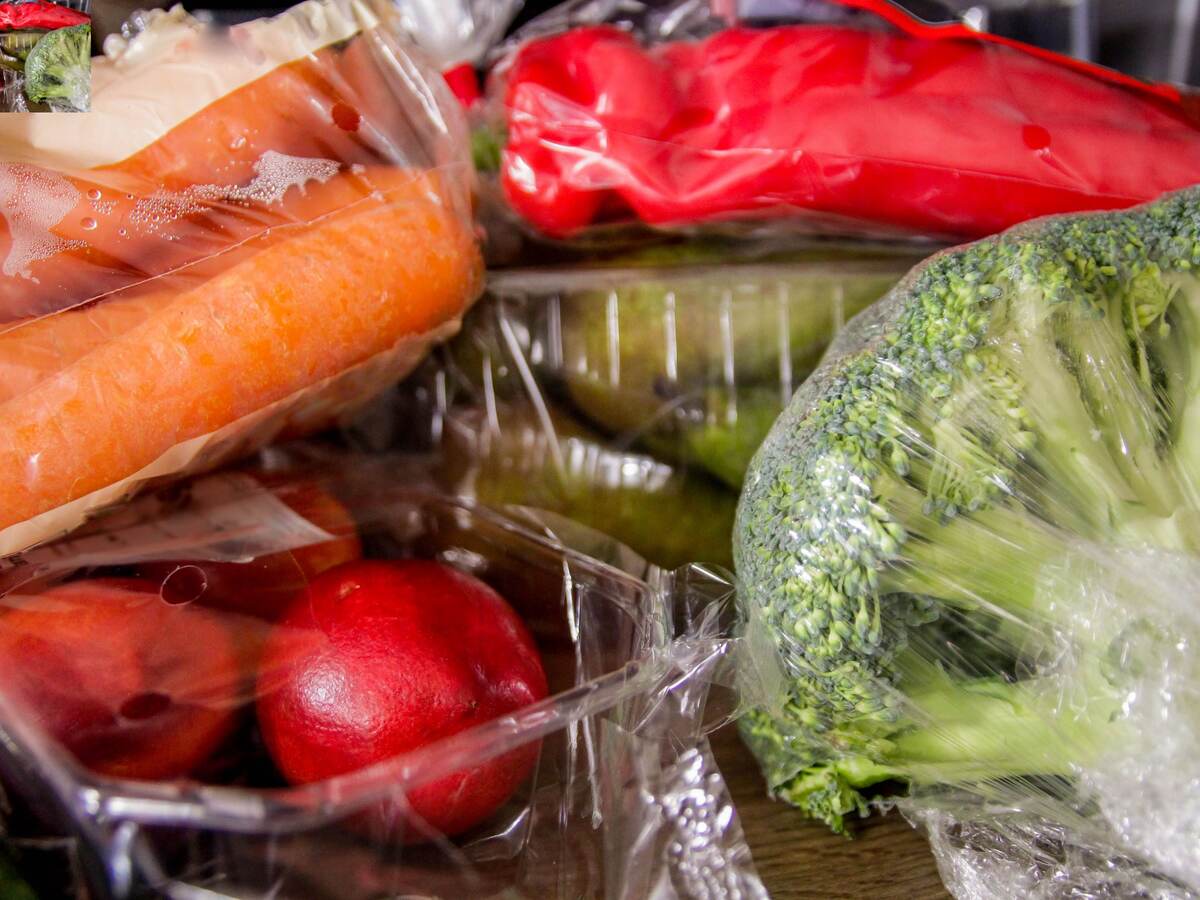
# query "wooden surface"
(797, 858)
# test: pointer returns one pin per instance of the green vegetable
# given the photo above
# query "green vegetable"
(929, 540)
(20, 43)
(667, 516)
(719, 430)
(12, 885)
(486, 147)
(16, 45)
(675, 359)
(58, 70)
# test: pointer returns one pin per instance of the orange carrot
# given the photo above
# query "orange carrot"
(113, 238)
(33, 350)
(201, 187)
(303, 304)
(289, 110)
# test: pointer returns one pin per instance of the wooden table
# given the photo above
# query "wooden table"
(797, 858)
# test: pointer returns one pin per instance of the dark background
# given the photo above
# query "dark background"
(1132, 35)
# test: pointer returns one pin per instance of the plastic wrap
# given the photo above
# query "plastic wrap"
(630, 396)
(253, 231)
(967, 554)
(832, 117)
(175, 790)
(457, 36)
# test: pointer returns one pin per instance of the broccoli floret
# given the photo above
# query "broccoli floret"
(58, 70)
(910, 535)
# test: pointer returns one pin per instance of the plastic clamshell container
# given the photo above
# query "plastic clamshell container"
(593, 820)
(631, 397)
(701, 322)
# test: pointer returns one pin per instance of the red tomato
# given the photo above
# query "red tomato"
(264, 587)
(133, 686)
(379, 658)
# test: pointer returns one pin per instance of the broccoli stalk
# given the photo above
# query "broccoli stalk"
(910, 534)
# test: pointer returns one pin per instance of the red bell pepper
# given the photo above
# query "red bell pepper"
(952, 136)
(39, 14)
(463, 84)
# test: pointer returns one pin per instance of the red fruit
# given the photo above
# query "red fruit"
(380, 658)
(133, 686)
(266, 586)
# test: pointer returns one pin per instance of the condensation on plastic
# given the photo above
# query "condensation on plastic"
(625, 799)
(967, 555)
(631, 396)
(253, 231)
(613, 117)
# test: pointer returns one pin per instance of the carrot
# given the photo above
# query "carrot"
(38, 348)
(285, 313)
(288, 110)
(183, 197)
(113, 243)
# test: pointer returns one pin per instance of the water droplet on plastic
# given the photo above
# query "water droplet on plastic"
(32, 201)
(93, 194)
(89, 224)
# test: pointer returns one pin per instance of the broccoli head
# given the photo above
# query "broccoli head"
(943, 545)
(58, 70)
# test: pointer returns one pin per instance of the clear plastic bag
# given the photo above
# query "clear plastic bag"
(457, 35)
(619, 795)
(967, 556)
(462, 31)
(630, 396)
(253, 231)
(843, 117)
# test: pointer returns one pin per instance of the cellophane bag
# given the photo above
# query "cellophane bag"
(253, 231)
(967, 557)
(457, 36)
(611, 117)
(146, 744)
(629, 394)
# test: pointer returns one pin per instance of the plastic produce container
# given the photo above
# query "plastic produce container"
(12, 98)
(624, 799)
(630, 397)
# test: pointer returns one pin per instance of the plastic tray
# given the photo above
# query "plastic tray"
(625, 800)
(630, 398)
